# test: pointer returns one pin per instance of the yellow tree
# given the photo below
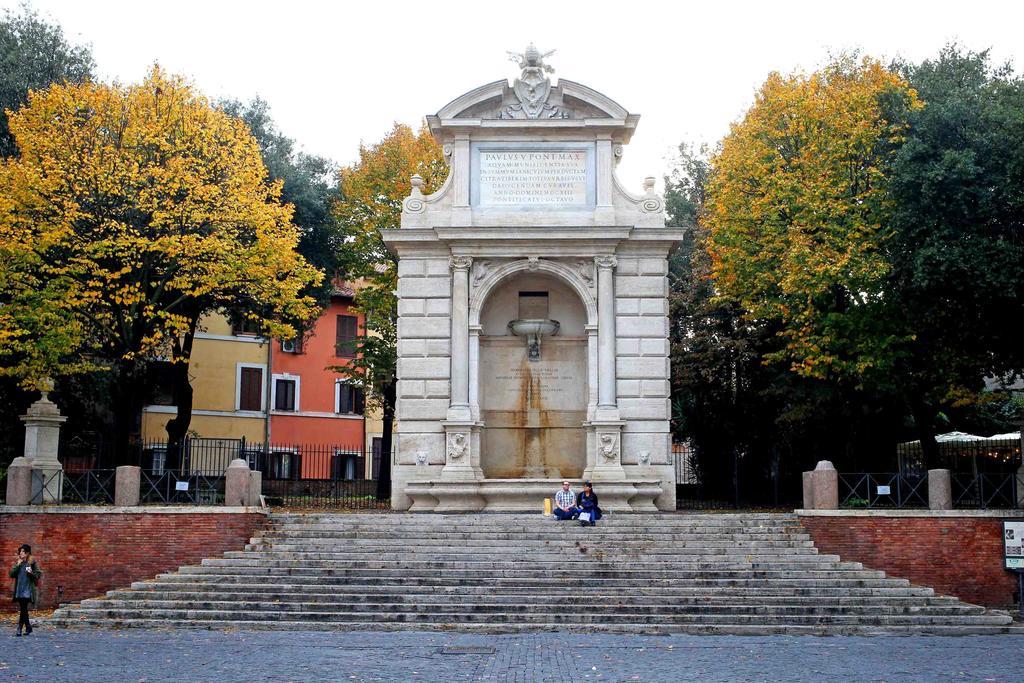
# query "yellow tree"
(797, 210)
(373, 189)
(129, 212)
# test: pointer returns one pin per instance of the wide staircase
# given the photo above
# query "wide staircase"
(649, 573)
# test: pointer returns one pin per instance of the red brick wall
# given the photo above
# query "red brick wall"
(90, 553)
(961, 556)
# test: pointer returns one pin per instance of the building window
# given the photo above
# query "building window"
(350, 399)
(345, 339)
(286, 394)
(250, 388)
(376, 445)
(244, 327)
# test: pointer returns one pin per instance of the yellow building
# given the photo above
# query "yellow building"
(228, 372)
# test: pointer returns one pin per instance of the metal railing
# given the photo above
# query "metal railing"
(94, 487)
(984, 491)
(882, 490)
(323, 494)
(174, 488)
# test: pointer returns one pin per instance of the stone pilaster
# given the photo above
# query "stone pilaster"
(458, 409)
(607, 408)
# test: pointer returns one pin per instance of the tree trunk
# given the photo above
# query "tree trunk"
(181, 392)
(129, 397)
(390, 391)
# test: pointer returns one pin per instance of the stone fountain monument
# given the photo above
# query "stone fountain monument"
(533, 329)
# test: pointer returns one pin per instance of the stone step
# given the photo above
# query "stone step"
(618, 627)
(644, 573)
(578, 562)
(529, 520)
(545, 599)
(556, 555)
(586, 617)
(452, 573)
(530, 590)
(509, 610)
(738, 579)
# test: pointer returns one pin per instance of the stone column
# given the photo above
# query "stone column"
(42, 437)
(459, 407)
(940, 490)
(606, 404)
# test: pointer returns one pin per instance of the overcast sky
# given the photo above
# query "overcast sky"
(336, 73)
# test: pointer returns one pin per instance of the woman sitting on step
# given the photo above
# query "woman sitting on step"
(587, 502)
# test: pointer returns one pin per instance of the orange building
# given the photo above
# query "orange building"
(312, 404)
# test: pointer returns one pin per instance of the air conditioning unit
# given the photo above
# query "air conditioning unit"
(289, 346)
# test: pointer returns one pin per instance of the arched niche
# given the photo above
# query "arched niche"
(533, 410)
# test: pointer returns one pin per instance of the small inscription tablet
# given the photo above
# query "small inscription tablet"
(525, 177)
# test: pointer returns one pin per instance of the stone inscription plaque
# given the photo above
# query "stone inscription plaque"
(511, 178)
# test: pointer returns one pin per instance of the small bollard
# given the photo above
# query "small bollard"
(19, 482)
(825, 481)
(237, 483)
(940, 490)
(127, 480)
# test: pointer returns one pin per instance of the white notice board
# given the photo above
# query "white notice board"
(1013, 544)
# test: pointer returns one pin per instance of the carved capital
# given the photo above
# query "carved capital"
(606, 261)
(460, 262)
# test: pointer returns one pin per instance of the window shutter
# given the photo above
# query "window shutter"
(250, 390)
(347, 330)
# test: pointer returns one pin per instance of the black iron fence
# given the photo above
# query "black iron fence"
(324, 494)
(984, 491)
(883, 490)
(316, 476)
(962, 453)
(910, 490)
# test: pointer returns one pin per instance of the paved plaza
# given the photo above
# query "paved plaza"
(186, 656)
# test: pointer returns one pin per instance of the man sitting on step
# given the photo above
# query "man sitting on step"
(565, 503)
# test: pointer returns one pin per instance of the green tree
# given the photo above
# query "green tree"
(956, 248)
(373, 189)
(34, 54)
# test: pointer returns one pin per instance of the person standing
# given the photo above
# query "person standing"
(565, 503)
(26, 576)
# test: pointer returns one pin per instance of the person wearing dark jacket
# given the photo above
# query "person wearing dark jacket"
(587, 503)
(26, 575)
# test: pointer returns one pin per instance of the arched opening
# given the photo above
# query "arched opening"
(533, 390)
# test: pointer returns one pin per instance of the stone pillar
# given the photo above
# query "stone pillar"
(825, 481)
(808, 486)
(256, 487)
(127, 481)
(19, 482)
(42, 437)
(940, 490)
(459, 407)
(606, 403)
(237, 483)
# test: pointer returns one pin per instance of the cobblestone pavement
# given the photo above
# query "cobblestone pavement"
(225, 657)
